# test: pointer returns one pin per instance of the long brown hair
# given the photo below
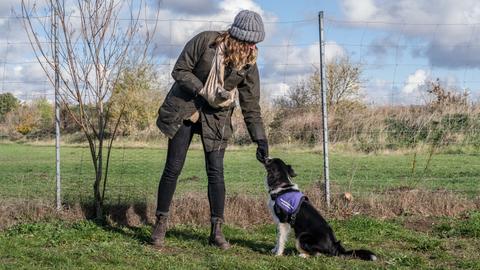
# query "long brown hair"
(237, 53)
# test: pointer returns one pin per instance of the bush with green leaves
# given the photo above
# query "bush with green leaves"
(8, 103)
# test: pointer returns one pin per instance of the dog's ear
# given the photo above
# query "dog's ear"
(290, 171)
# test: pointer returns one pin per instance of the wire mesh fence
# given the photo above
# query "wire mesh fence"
(390, 130)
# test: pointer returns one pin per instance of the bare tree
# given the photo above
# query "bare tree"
(297, 97)
(343, 81)
(96, 40)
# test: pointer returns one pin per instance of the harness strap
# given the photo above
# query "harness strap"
(289, 217)
(293, 217)
(286, 190)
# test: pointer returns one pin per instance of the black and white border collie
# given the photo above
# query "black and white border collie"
(291, 209)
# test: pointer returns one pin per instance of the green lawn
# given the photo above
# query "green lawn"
(28, 171)
(452, 244)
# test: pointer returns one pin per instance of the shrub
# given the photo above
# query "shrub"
(8, 103)
(24, 120)
(457, 122)
(404, 132)
(45, 126)
(33, 119)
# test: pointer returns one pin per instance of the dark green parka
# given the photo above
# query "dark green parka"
(190, 73)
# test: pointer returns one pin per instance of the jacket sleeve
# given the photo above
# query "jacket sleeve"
(249, 96)
(183, 69)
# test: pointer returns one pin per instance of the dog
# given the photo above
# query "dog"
(291, 209)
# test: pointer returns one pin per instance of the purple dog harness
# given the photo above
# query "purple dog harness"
(289, 204)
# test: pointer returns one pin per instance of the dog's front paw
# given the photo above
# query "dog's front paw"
(277, 252)
(303, 255)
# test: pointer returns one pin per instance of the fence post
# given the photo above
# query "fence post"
(58, 199)
(326, 176)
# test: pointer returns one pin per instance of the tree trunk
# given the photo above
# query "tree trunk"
(97, 198)
(96, 186)
(98, 178)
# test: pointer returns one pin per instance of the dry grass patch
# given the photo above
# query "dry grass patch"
(247, 211)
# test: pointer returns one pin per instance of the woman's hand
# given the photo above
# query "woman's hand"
(222, 94)
(262, 150)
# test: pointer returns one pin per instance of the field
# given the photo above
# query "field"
(448, 245)
(418, 239)
(28, 171)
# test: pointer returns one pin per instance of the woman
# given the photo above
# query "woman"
(188, 109)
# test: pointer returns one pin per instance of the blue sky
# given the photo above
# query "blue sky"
(401, 45)
(389, 47)
(296, 10)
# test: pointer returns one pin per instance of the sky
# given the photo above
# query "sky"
(401, 45)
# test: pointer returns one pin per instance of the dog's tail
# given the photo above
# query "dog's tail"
(310, 245)
(362, 254)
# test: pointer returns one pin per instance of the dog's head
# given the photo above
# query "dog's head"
(279, 174)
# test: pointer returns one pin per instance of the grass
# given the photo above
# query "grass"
(27, 171)
(90, 245)
(469, 227)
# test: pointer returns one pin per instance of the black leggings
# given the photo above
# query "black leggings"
(176, 155)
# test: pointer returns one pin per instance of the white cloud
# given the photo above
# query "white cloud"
(334, 50)
(449, 27)
(172, 35)
(413, 11)
(413, 90)
(6, 6)
(360, 10)
(377, 92)
(190, 6)
(179, 21)
(298, 60)
(234, 6)
(272, 91)
(287, 65)
(26, 81)
(383, 92)
(415, 81)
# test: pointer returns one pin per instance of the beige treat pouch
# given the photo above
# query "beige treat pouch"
(213, 90)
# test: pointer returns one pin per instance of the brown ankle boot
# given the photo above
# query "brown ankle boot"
(158, 235)
(216, 236)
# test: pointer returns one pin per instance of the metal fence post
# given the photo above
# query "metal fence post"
(326, 176)
(58, 198)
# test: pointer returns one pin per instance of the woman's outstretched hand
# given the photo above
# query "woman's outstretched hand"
(262, 150)
(222, 94)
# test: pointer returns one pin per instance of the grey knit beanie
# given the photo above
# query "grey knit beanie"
(247, 26)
